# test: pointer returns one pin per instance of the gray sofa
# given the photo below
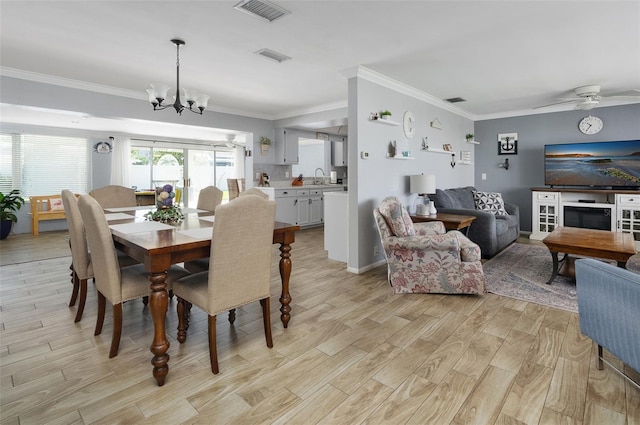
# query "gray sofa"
(491, 232)
(608, 300)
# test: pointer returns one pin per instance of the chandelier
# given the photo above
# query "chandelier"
(158, 92)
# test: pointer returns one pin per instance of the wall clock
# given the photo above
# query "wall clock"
(590, 125)
(408, 124)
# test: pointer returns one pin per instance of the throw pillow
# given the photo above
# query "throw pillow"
(55, 204)
(396, 216)
(490, 201)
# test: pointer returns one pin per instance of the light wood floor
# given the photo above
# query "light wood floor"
(353, 353)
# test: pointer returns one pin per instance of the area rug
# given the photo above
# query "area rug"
(522, 270)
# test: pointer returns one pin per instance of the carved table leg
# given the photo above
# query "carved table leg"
(159, 301)
(285, 274)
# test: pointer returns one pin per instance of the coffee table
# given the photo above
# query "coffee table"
(616, 246)
(450, 221)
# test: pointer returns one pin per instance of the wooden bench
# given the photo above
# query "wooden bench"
(41, 210)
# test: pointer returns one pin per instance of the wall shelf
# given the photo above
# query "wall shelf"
(436, 150)
(464, 163)
(400, 157)
(473, 142)
(387, 122)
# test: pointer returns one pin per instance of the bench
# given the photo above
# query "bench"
(48, 207)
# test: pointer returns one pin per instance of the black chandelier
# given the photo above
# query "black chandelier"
(158, 92)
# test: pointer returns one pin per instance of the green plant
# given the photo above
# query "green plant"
(171, 215)
(385, 112)
(10, 204)
(469, 136)
(265, 141)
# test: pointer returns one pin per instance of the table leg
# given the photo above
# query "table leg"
(285, 274)
(158, 304)
(554, 256)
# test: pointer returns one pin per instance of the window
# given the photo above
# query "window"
(43, 165)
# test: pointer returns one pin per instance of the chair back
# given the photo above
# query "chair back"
(240, 262)
(209, 198)
(395, 215)
(114, 196)
(104, 258)
(234, 188)
(255, 192)
(77, 237)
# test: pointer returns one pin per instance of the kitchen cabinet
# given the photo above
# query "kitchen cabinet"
(299, 206)
(338, 152)
(286, 147)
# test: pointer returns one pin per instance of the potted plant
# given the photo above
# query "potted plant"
(265, 142)
(469, 137)
(385, 115)
(9, 204)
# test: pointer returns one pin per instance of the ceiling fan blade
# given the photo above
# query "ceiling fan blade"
(612, 98)
(632, 93)
(556, 103)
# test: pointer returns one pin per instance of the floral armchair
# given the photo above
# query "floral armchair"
(423, 257)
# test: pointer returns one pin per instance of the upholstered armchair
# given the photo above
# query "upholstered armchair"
(423, 257)
(608, 306)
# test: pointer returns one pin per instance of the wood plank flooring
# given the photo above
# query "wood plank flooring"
(353, 354)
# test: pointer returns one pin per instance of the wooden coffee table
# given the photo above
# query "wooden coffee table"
(450, 221)
(616, 246)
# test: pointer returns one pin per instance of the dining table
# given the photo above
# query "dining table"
(159, 245)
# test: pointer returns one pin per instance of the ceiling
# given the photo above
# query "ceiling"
(504, 58)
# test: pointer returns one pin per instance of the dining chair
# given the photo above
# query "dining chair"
(255, 192)
(240, 272)
(81, 267)
(209, 198)
(234, 188)
(113, 283)
(114, 196)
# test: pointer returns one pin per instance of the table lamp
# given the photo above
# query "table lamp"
(423, 185)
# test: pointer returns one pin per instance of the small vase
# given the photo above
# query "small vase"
(432, 208)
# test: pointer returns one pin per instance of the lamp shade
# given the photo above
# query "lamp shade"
(422, 184)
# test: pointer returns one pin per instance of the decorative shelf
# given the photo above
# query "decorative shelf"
(436, 150)
(473, 142)
(400, 157)
(387, 122)
(464, 163)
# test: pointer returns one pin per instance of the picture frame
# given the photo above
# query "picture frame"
(447, 147)
(508, 144)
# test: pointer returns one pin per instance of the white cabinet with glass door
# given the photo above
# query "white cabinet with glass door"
(628, 215)
(545, 208)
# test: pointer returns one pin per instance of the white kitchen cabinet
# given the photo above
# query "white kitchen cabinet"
(286, 147)
(338, 152)
(303, 207)
(286, 205)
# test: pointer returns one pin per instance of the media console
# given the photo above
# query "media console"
(615, 210)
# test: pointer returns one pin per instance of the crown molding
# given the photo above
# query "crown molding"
(395, 85)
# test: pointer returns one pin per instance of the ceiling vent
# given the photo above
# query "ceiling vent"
(273, 55)
(261, 9)
(455, 100)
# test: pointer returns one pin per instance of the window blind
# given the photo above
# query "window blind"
(44, 165)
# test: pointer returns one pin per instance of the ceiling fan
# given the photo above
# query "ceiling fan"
(588, 97)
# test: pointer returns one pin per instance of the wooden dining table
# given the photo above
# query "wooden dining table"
(159, 248)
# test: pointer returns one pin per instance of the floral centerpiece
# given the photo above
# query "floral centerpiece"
(165, 211)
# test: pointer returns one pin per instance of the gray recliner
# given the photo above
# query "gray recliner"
(491, 232)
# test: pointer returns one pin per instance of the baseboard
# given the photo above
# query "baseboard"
(366, 268)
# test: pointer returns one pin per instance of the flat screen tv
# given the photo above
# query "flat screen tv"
(613, 165)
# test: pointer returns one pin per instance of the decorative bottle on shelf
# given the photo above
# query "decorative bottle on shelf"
(392, 149)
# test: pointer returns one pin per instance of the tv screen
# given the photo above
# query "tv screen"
(593, 164)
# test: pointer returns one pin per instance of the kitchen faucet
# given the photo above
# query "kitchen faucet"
(315, 176)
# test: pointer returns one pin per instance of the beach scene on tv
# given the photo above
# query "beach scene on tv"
(599, 164)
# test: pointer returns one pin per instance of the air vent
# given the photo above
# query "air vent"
(261, 9)
(273, 55)
(455, 100)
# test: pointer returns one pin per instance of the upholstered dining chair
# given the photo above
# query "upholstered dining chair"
(234, 188)
(243, 230)
(114, 196)
(423, 257)
(113, 283)
(255, 192)
(209, 198)
(82, 270)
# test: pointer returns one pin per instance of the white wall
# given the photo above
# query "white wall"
(373, 179)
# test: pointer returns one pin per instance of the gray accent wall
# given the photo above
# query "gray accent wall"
(526, 169)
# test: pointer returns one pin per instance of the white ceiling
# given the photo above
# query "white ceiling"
(503, 57)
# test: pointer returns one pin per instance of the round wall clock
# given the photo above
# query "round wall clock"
(408, 124)
(590, 125)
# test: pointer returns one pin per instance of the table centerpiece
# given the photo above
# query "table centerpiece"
(166, 212)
